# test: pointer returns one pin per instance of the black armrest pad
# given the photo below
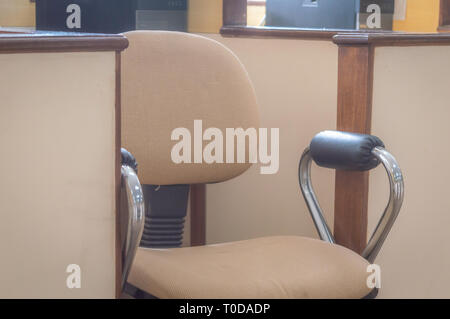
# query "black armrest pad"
(128, 159)
(345, 151)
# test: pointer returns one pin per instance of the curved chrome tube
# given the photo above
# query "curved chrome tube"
(136, 216)
(387, 219)
(304, 178)
(393, 207)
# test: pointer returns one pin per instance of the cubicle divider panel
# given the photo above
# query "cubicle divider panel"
(60, 171)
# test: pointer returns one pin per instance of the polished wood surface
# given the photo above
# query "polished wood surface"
(354, 109)
(274, 32)
(294, 33)
(340, 37)
(60, 42)
(391, 39)
(197, 196)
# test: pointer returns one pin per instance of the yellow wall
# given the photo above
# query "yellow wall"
(204, 16)
(421, 16)
(17, 13)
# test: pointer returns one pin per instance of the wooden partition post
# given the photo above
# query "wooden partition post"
(354, 109)
(235, 12)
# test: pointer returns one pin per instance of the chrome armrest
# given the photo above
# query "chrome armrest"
(393, 207)
(136, 216)
(387, 219)
(304, 178)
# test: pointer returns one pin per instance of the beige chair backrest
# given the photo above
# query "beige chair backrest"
(170, 79)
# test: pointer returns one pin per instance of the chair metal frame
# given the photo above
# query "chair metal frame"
(136, 207)
(389, 215)
(136, 218)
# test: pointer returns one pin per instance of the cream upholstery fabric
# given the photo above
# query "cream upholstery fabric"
(270, 267)
(170, 79)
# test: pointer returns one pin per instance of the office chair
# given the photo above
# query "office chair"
(170, 79)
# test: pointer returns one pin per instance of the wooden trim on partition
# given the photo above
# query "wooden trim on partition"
(60, 42)
(235, 12)
(118, 177)
(295, 33)
(274, 32)
(341, 37)
(197, 198)
(354, 109)
(391, 39)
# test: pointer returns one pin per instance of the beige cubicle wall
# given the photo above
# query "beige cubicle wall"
(59, 165)
(57, 190)
(296, 87)
(411, 114)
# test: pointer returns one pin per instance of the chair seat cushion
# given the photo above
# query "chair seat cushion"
(268, 267)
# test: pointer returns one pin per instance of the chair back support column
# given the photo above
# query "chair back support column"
(198, 214)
